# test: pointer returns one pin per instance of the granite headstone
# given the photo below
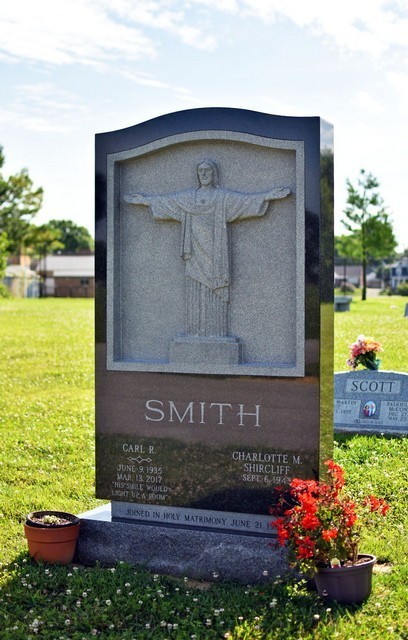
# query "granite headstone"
(213, 293)
(371, 402)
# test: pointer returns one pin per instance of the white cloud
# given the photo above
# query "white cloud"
(43, 107)
(368, 103)
(96, 32)
(68, 32)
(368, 26)
(399, 82)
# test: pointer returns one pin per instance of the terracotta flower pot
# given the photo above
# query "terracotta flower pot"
(346, 585)
(54, 543)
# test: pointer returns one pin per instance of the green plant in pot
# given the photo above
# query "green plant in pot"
(321, 525)
(52, 536)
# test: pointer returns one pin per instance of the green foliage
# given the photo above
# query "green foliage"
(4, 292)
(371, 233)
(19, 203)
(74, 238)
(402, 289)
(46, 461)
(348, 246)
(43, 240)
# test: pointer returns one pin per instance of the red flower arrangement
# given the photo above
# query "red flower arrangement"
(321, 524)
(364, 351)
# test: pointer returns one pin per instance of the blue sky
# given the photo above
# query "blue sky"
(73, 68)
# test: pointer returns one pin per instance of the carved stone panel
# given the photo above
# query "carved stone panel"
(207, 277)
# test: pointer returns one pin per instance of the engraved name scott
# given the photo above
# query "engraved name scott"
(375, 386)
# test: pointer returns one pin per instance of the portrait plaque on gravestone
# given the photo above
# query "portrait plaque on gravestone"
(214, 310)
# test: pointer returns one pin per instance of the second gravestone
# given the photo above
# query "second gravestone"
(214, 331)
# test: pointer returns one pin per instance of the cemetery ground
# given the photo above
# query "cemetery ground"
(47, 461)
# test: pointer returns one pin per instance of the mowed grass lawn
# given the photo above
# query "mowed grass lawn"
(47, 461)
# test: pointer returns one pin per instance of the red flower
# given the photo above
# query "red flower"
(306, 548)
(310, 522)
(377, 504)
(320, 521)
(330, 534)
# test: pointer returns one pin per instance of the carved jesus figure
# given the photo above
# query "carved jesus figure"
(204, 214)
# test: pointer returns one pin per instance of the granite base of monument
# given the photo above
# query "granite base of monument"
(197, 554)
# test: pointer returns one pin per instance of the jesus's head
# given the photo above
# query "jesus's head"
(207, 172)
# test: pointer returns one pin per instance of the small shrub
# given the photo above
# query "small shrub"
(347, 287)
(4, 292)
(402, 289)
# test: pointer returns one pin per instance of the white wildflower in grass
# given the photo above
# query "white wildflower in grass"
(316, 616)
(130, 593)
(67, 622)
(69, 575)
(112, 570)
(94, 632)
(147, 625)
(215, 574)
(140, 602)
(208, 622)
(108, 603)
(68, 592)
(163, 623)
(195, 599)
(118, 591)
(127, 584)
(78, 603)
(265, 572)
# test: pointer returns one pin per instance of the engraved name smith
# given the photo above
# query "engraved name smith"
(204, 214)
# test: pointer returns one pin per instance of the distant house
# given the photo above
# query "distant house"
(351, 274)
(21, 281)
(68, 276)
(398, 272)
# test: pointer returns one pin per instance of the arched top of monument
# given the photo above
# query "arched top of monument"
(215, 119)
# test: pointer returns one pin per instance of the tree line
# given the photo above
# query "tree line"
(20, 201)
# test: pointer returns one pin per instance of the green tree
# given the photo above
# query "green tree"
(42, 240)
(74, 237)
(4, 253)
(19, 203)
(371, 233)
